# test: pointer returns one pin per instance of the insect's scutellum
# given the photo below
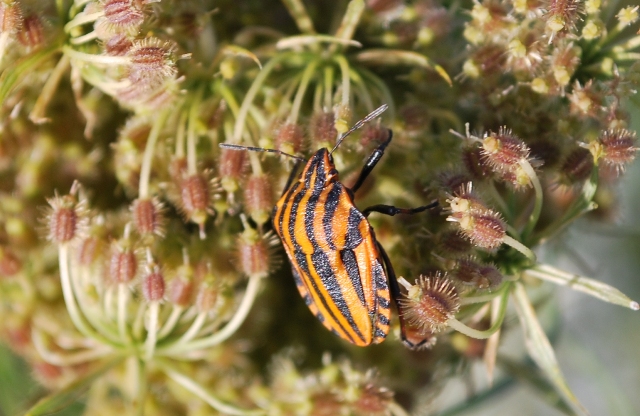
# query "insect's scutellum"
(342, 272)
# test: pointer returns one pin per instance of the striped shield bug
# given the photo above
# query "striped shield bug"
(341, 270)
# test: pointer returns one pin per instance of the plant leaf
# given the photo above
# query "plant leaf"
(63, 398)
(540, 349)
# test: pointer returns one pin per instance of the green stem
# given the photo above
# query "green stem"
(67, 359)
(145, 170)
(238, 129)
(346, 79)
(170, 324)
(82, 19)
(37, 115)
(474, 333)
(302, 89)
(229, 329)
(191, 134)
(513, 243)
(198, 390)
(152, 331)
(328, 87)
(537, 207)
(349, 22)
(180, 134)
(67, 291)
(95, 59)
(300, 16)
(583, 203)
(123, 299)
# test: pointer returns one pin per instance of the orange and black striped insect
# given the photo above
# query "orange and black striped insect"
(339, 267)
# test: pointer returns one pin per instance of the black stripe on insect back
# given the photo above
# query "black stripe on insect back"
(323, 268)
(301, 260)
(291, 227)
(333, 199)
(353, 238)
(350, 262)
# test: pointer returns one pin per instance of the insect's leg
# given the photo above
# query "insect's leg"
(391, 210)
(291, 177)
(371, 163)
(394, 290)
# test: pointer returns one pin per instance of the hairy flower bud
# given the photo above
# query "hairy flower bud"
(181, 287)
(322, 129)
(255, 252)
(208, 294)
(67, 217)
(196, 197)
(430, 303)
(10, 17)
(615, 148)
(153, 284)
(147, 215)
(470, 272)
(123, 264)
(232, 164)
(31, 33)
(289, 138)
(577, 166)
(258, 198)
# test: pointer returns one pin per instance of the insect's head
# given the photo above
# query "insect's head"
(320, 168)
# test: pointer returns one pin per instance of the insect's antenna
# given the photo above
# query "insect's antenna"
(259, 149)
(375, 113)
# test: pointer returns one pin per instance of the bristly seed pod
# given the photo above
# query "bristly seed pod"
(504, 151)
(31, 33)
(181, 286)
(485, 229)
(289, 138)
(258, 198)
(10, 17)
(255, 252)
(90, 250)
(430, 303)
(123, 16)
(232, 166)
(470, 272)
(614, 148)
(196, 193)
(373, 401)
(117, 45)
(123, 264)
(207, 297)
(67, 217)
(153, 284)
(475, 163)
(151, 62)
(323, 129)
(577, 166)
(374, 135)
(147, 215)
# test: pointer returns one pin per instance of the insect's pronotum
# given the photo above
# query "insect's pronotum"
(341, 270)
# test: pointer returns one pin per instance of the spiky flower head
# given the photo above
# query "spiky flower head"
(430, 303)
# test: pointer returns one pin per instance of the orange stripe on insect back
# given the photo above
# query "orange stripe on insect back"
(334, 320)
(365, 253)
(300, 231)
(340, 221)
